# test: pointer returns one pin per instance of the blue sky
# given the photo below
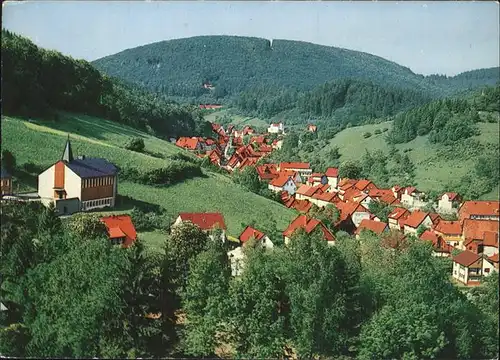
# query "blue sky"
(433, 37)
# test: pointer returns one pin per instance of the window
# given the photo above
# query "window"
(486, 270)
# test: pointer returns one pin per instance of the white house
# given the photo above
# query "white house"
(205, 221)
(332, 174)
(237, 255)
(412, 198)
(283, 183)
(276, 128)
(448, 202)
(416, 219)
(467, 267)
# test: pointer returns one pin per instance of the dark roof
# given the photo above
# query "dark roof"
(92, 167)
(4, 173)
(68, 152)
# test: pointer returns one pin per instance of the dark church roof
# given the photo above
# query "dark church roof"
(92, 167)
(4, 173)
(87, 167)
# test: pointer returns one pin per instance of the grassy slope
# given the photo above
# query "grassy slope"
(431, 171)
(43, 145)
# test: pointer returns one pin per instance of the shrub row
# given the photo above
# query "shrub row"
(175, 172)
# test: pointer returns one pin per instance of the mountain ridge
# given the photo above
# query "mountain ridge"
(233, 64)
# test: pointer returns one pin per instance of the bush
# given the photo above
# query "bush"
(367, 134)
(136, 144)
(152, 220)
(377, 132)
(173, 173)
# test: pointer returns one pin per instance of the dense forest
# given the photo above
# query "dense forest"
(370, 298)
(38, 82)
(234, 64)
(338, 102)
(446, 120)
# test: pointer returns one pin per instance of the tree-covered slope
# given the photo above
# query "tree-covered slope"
(38, 83)
(233, 64)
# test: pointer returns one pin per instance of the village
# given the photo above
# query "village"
(471, 239)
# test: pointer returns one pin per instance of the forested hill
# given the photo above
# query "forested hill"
(233, 64)
(39, 83)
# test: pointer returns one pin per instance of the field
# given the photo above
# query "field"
(431, 171)
(42, 144)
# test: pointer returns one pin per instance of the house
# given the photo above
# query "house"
(355, 211)
(317, 179)
(191, 143)
(283, 183)
(377, 227)
(494, 261)
(79, 184)
(480, 210)
(439, 245)
(475, 232)
(311, 128)
(397, 217)
(324, 199)
(237, 256)
(332, 174)
(412, 198)
(5, 182)
(304, 169)
(276, 128)
(490, 243)
(205, 221)
(267, 172)
(277, 144)
(450, 231)
(308, 225)
(293, 174)
(467, 268)
(357, 196)
(449, 202)
(364, 185)
(121, 230)
(210, 106)
(344, 185)
(415, 220)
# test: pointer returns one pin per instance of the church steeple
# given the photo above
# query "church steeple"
(68, 153)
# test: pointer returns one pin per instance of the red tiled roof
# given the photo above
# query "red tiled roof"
(377, 227)
(397, 213)
(416, 218)
(494, 258)
(308, 224)
(448, 227)
(389, 199)
(490, 238)
(410, 190)
(434, 217)
(120, 226)
(313, 190)
(348, 208)
(280, 181)
(205, 221)
(429, 235)
(326, 196)
(302, 206)
(294, 165)
(451, 195)
(303, 189)
(187, 143)
(476, 229)
(332, 172)
(466, 258)
(362, 184)
(249, 233)
(482, 208)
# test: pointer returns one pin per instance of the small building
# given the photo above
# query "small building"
(439, 246)
(283, 183)
(311, 128)
(449, 202)
(450, 231)
(332, 174)
(355, 211)
(207, 222)
(5, 182)
(413, 198)
(267, 172)
(467, 268)
(191, 143)
(79, 184)
(415, 220)
(479, 210)
(276, 128)
(397, 217)
(377, 227)
(476, 232)
(308, 225)
(317, 179)
(121, 230)
(237, 255)
(303, 168)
